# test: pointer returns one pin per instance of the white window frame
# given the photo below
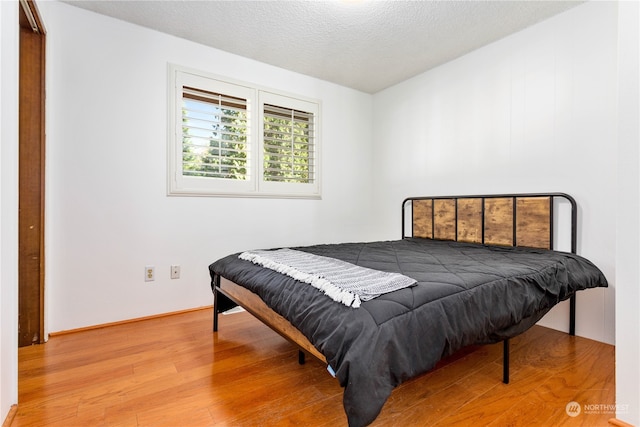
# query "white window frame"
(254, 186)
(293, 189)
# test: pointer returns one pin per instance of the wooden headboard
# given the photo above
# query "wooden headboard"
(525, 220)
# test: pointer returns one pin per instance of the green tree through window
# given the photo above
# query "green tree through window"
(288, 145)
(214, 135)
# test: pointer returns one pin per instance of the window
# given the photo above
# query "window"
(214, 135)
(231, 139)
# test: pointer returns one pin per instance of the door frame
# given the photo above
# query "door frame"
(31, 154)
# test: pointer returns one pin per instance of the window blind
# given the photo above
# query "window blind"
(215, 133)
(288, 139)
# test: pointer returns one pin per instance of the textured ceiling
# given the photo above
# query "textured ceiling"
(365, 45)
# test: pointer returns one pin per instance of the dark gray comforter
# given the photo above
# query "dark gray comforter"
(466, 294)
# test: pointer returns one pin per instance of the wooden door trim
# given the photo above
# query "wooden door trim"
(31, 173)
(32, 14)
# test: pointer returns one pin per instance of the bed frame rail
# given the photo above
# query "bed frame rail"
(226, 294)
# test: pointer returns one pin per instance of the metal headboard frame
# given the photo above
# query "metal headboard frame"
(514, 197)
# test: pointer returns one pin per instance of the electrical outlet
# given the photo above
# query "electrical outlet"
(175, 271)
(149, 273)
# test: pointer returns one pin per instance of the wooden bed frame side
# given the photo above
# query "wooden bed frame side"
(524, 220)
(254, 305)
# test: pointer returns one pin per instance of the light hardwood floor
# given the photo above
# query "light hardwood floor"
(174, 371)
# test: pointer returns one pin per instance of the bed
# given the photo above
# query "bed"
(484, 269)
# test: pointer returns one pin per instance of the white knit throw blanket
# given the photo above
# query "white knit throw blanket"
(343, 282)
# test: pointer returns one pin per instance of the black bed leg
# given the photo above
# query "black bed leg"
(572, 315)
(505, 361)
(301, 357)
(216, 283)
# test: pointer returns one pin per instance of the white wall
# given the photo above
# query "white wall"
(628, 224)
(8, 206)
(108, 215)
(508, 117)
(533, 112)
